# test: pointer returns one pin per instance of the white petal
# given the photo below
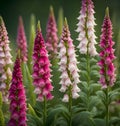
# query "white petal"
(65, 98)
(75, 95)
(63, 88)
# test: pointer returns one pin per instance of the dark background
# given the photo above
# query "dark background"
(11, 9)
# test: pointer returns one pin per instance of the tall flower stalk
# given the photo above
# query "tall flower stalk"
(86, 30)
(68, 67)
(107, 69)
(41, 72)
(5, 61)
(17, 97)
(51, 37)
(21, 41)
(87, 37)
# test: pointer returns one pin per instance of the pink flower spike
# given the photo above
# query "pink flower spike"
(51, 36)
(41, 68)
(21, 40)
(68, 64)
(17, 97)
(5, 61)
(85, 28)
(107, 68)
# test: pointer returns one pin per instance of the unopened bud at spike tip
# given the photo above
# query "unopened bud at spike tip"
(51, 11)
(65, 22)
(20, 20)
(1, 20)
(107, 12)
(38, 26)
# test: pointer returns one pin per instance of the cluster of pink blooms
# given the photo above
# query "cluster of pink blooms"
(86, 30)
(68, 65)
(21, 40)
(17, 98)
(41, 64)
(41, 68)
(51, 35)
(107, 70)
(5, 62)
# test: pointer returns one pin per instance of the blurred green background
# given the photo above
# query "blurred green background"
(11, 9)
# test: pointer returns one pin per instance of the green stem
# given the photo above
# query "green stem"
(88, 59)
(88, 79)
(107, 107)
(44, 111)
(70, 106)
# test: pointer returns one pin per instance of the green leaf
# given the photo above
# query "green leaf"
(2, 120)
(114, 95)
(31, 41)
(94, 73)
(99, 122)
(32, 97)
(83, 119)
(55, 113)
(93, 61)
(33, 121)
(94, 87)
(31, 111)
(61, 122)
(83, 97)
(95, 67)
(83, 59)
(101, 95)
(94, 101)
(84, 75)
(115, 121)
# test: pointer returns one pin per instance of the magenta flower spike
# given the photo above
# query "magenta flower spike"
(107, 68)
(17, 97)
(51, 36)
(41, 68)
(68, 65)
(5, 61)
(21, 41)
(85, 28)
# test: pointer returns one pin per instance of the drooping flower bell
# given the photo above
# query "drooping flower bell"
(21, 40)
(85, 28)
(68, 65)
(5, 61)
(107, 68)
(17, 97)
(41, 68)
(51, 36)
